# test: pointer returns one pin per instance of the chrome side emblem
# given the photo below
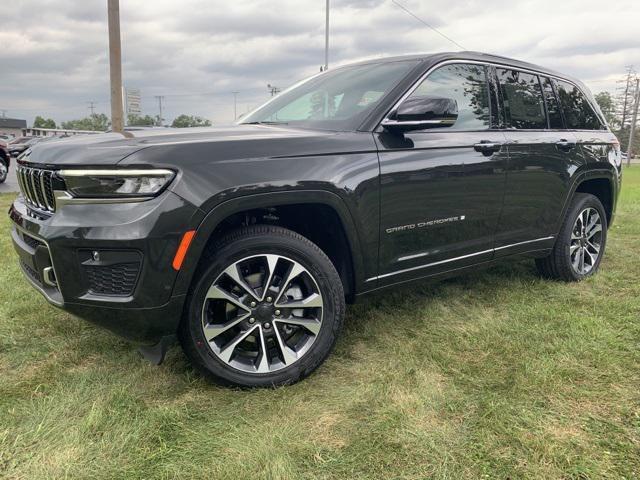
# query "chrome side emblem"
(427, 223)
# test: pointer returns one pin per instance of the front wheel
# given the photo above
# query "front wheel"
(580, 245)
(265, 310)
(4, 170)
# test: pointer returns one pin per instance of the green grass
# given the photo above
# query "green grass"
(495, 375)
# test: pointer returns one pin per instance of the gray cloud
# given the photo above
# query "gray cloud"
(53, 53)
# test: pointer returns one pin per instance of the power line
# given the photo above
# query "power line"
(92, 107)
(427, 24)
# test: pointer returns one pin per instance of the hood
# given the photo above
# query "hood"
(110, 148)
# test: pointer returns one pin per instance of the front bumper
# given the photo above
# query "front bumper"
(108, 264)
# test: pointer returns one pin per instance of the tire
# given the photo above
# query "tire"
(232, 274)
(4, 170)
(564, 261)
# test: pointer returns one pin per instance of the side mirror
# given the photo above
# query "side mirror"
(419, 113)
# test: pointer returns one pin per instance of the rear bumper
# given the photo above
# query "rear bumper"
(108, 264)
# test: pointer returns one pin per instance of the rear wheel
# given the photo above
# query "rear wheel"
(580, 245)
(265, 310)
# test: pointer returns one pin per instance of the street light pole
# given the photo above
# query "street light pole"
(634, 120)
(115, 65)
(326, 41)
(235, 105)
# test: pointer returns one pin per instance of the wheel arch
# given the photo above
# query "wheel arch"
(314, 201)
(601, 183)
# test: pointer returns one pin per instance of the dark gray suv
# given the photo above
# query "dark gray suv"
(245, 242)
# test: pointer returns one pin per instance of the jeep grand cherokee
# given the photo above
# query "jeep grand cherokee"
(245, 242)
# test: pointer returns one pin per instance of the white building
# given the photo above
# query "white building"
(53, 132)
(12, 126)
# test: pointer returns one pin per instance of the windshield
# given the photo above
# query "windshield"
(336, 100)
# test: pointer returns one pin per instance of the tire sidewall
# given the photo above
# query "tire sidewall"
(318, 265)
(4, 177)
(582, 202)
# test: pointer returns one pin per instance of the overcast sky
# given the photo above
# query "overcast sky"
(54, 53)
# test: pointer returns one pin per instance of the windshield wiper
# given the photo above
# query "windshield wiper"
(265, 123)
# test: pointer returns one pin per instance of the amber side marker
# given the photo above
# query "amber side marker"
(182, 249)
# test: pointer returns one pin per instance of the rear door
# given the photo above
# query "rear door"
(595, 142)
(542, 157)
(441, 189)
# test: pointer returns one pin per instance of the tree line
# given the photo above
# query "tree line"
(99, 122)
(617, 109)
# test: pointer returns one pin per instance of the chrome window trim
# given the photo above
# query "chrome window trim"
(492, 64)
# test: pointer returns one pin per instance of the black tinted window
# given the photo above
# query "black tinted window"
(467, 85)
(553, 108)
(577, 112)
(522, 98)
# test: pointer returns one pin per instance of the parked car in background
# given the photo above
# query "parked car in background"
(5, 161)
(20, 144)
(247, 241)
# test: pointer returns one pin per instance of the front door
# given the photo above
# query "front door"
(442, 188)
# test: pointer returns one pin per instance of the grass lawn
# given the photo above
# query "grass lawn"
(495, 375)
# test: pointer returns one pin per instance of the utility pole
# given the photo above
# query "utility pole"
(160, 98)
(235, 105)
(634, 120)
(92, 107)
(3, 113)
(115, 66)
(326, 40)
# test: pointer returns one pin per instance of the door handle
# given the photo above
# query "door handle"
(565, 145)
(487, 147)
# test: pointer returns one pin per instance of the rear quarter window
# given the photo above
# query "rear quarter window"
(578, 113)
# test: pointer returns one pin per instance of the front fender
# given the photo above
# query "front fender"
(222, 211)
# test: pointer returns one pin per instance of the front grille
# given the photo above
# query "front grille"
(119, 279)
(36, 187)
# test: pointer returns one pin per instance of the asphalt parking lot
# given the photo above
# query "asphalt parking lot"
(11, 183)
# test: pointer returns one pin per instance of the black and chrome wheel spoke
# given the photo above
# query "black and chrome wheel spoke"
(228, 349)
(233, 271)
(584, 249)
(217, 293)
(262, 313)
(311, 324)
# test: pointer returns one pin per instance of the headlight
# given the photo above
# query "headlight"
(115, 183)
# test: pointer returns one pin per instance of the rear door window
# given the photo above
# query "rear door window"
(553, 107)
(578, 113)
(522, 98)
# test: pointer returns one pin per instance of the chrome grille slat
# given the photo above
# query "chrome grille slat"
(35, 185)
(44, 191)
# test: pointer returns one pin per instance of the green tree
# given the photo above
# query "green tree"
(608, 106)
(185, 121)
(139, 121)
(97, 122)
(41, 122)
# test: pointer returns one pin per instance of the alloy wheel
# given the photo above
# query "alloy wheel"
(262, 313)
(586, 241)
